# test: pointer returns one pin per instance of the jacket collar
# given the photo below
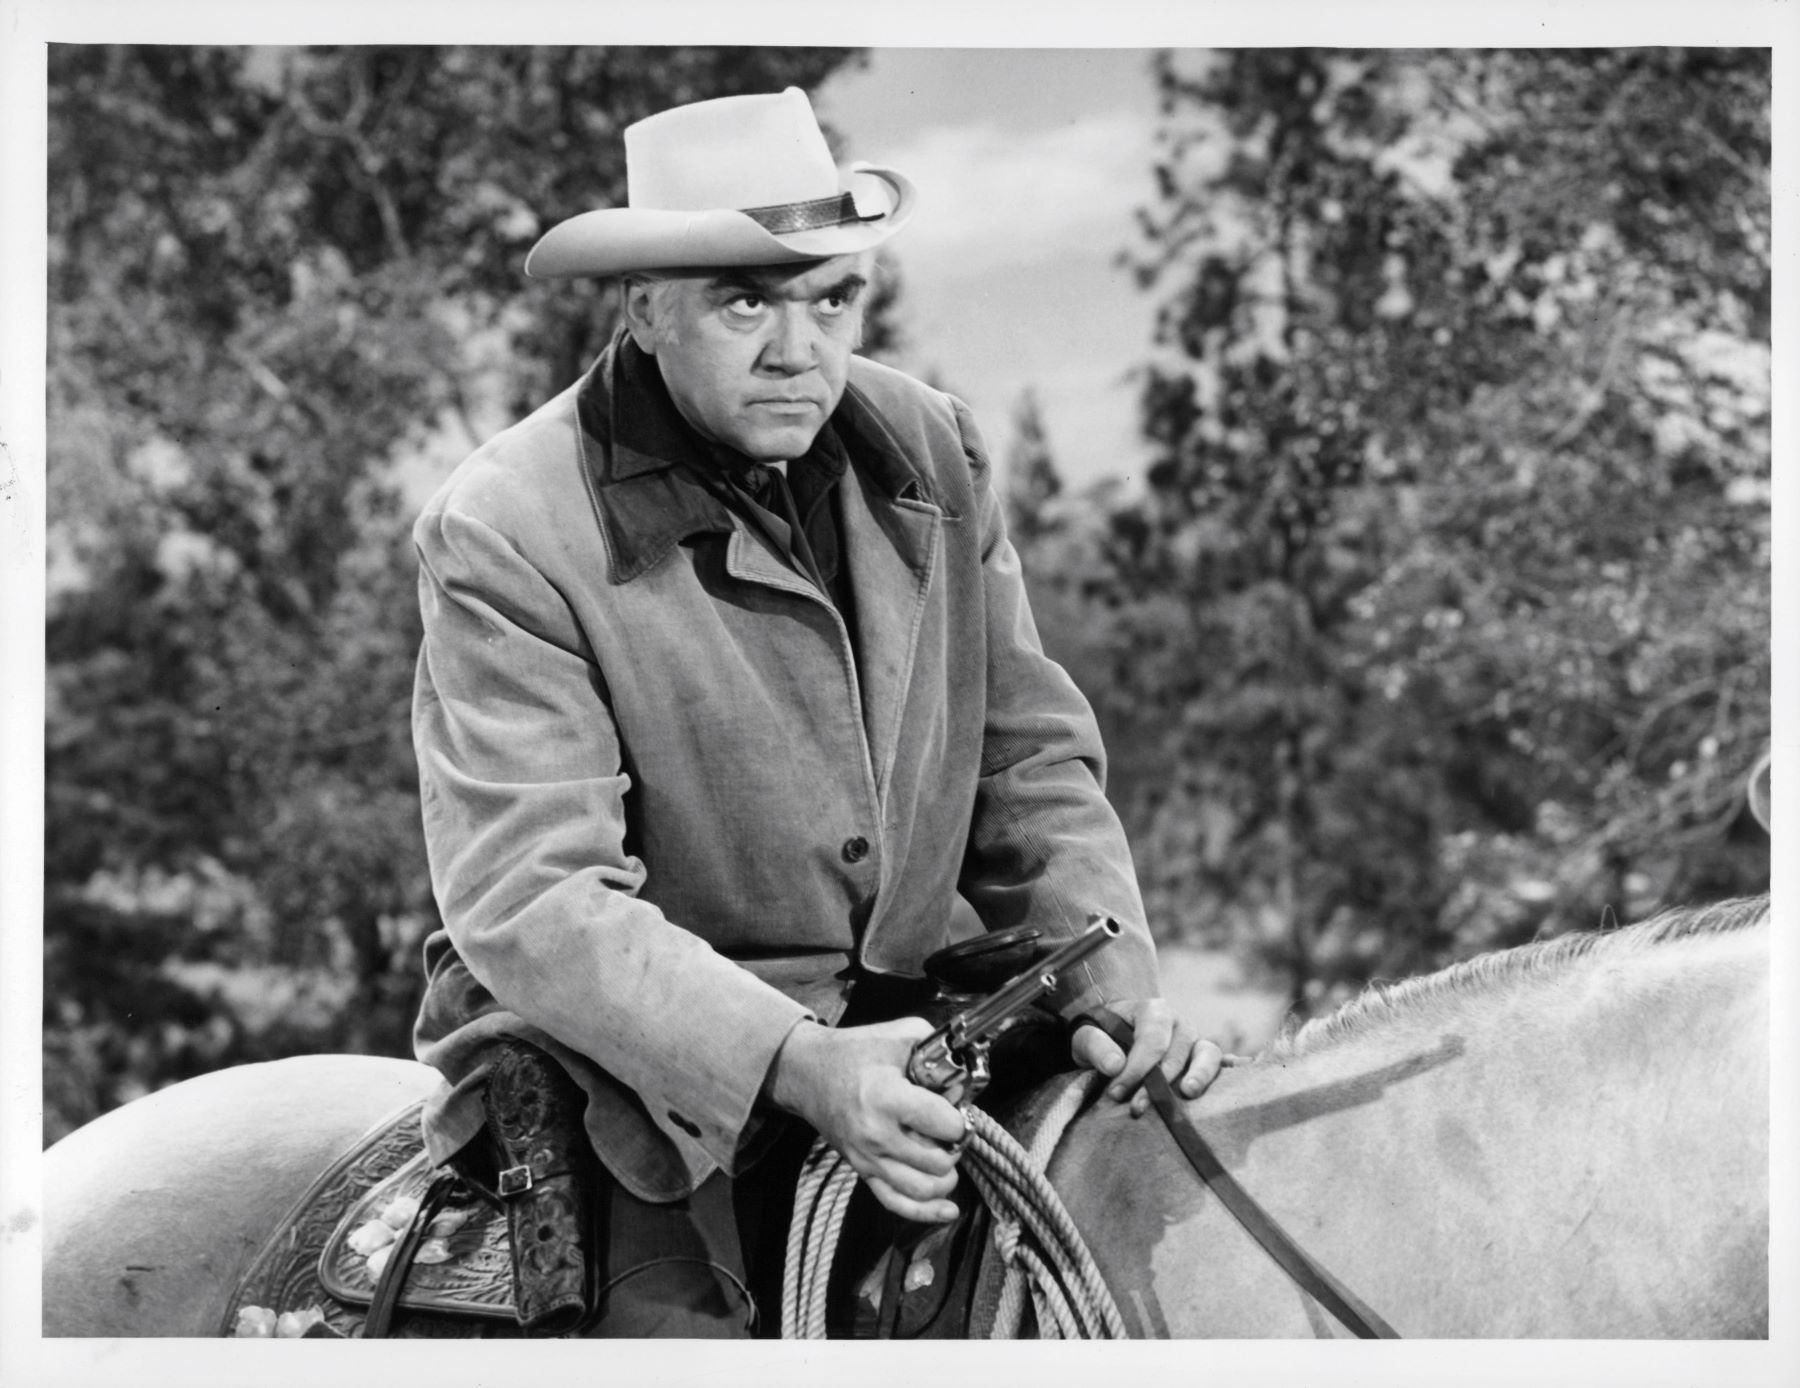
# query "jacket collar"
(643, 462)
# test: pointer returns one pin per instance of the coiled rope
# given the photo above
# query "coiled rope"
(1042, 1251)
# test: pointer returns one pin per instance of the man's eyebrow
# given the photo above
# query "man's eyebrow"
(746, 282)
(736, 282)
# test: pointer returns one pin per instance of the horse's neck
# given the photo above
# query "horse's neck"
(1577, 1154)
(1535, 1073)
(1583, 1155)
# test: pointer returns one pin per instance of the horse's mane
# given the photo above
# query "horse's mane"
(1384, 1003)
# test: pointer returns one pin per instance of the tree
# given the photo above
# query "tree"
(1032, 482)
(1450, 586)
(282, 281)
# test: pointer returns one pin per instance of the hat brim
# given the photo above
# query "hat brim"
(615, 240)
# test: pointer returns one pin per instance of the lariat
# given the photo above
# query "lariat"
(1046, 1260)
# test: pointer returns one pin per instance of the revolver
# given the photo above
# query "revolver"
(953, 1060)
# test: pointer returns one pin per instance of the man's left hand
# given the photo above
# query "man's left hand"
(1160, 1038)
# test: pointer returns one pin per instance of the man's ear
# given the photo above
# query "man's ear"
(637, 301)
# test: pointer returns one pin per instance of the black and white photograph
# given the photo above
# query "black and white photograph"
(757, 675)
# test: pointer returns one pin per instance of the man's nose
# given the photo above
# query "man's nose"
(792, 341)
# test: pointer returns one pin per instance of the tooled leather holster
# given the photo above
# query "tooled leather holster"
(545, 1177)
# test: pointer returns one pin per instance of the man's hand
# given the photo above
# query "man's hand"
(1161, 1038)
(851, 1086)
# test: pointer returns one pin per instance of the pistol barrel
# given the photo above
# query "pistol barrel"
(1041, 978)
(953, 1059)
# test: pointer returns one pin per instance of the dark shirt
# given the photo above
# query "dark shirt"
(797, 515)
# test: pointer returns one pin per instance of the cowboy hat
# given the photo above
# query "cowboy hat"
(740, 180)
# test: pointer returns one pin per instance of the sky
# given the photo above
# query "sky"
(1029, 164)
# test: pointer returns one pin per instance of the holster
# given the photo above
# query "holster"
(545, 1177)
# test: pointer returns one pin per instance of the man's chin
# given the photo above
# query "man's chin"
(777, 445)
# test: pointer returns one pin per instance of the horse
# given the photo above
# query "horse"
(1567, 1139)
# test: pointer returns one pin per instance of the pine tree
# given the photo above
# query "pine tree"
(1032, 482)
(1450, 588)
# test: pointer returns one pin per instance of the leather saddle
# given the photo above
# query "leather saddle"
(320, 1256)
(911, 1281)
(893, 1279)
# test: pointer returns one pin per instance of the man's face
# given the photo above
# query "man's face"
(755, 359)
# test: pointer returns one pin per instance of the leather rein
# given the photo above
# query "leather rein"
(1257, 1222)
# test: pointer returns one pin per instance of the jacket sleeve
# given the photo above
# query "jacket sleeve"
(524, 802)
(1045, 847)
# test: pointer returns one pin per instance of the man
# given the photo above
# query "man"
(729, 701)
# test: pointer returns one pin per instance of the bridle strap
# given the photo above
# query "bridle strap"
(1288, 1255)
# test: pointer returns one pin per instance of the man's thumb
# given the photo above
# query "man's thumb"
(1093, 1048)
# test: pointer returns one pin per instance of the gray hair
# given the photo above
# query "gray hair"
(653, 282)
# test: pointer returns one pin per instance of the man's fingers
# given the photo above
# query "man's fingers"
(1160, 1039)
(1202, 1069)
(910, 1181)
(934, 1156)
(1151, 1034)
(1093, 1049)
(1155, 1028)
(931, 1211)
(929, 1115)
(905, 1180)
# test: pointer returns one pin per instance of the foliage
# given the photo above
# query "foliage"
(284, 286)
(1444, 618)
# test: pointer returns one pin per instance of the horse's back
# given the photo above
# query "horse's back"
(153, 1212)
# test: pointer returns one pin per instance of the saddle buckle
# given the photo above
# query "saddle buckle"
(515, 1180)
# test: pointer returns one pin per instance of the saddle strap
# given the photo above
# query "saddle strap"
(1257, 1222)
(385, 1299)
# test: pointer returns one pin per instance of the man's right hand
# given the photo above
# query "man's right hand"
(851, 1086)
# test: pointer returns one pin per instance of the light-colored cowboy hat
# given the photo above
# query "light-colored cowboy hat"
(740, 180)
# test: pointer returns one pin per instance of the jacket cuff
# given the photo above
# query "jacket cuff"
(721, 1115)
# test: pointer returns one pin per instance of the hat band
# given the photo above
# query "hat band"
(808, 216)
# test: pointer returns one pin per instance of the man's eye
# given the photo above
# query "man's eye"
(834, 304)
(747, 304)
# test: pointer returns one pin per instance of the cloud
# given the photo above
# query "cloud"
(1091, 422)
(1009, 281)
(990, 197)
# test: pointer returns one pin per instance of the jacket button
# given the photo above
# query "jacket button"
(687, 1125)
(856, 849)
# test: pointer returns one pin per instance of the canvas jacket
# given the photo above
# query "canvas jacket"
(670, 814)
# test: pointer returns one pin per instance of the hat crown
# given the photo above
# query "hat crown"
(730, 152)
